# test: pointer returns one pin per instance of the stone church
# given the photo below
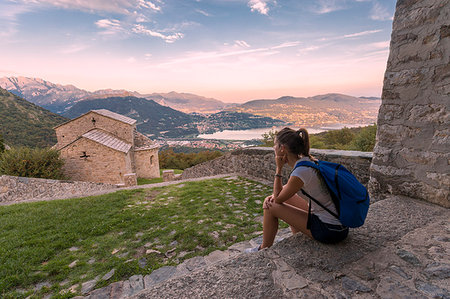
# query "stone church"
(105, 147)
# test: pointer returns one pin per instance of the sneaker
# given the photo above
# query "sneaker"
(254, 249)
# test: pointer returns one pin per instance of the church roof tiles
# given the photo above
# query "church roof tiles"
(108, 140)
(115, 116)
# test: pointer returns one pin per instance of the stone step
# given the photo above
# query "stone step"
(137, 283)
(402, 251)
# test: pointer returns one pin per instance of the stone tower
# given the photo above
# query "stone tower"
(412, 153)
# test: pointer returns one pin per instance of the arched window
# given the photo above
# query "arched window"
(151, 160)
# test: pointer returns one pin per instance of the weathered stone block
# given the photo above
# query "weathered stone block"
(419, 157)
(444, 31)
(168, 175)
(390, 112)
(404, 77)
(442, 138)
(130, 179)
(428, 113)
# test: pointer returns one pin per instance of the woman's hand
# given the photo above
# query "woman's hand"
(280, 160)
(280, 156)
(268, 202)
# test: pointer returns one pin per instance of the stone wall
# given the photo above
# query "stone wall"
(70, 131)
(259, 162)
(17, 189)
(104, 165)
(146, 163)
(412, 154)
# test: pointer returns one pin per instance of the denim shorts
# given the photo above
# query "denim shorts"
(327, 233)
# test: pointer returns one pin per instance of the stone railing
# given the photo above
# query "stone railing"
(18, 189)
(259, 162)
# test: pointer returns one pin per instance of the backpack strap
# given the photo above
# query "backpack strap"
(317, 202)
(315, 166)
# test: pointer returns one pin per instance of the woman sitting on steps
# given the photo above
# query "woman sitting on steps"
(289, 204)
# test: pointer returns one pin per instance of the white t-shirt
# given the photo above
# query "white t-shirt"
(318, 190)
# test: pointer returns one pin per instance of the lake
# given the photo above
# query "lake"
(257, 133)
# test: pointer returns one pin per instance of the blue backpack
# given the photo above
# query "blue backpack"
(349, 195)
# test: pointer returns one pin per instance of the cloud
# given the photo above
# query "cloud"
(131, 59)
(148, 4)
(230, 52)
(110, 26)
(242, 44)
(380, 13)
(327, 6)
(362, 33)
(259, 6)
(142, 19)
(308, 49)
(9, 13)
(74, 49)
(351, 35)
(203, 12)
(116, 6)
(286, 45)
(141, 29)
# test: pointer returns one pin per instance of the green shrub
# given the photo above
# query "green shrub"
(32, 162)
(339, 139)
(168, 159)
(365, 140)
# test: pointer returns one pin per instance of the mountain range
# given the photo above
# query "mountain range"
(204, 116)
(310, 112)
(59, 98)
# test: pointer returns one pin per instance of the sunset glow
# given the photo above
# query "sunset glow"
(231, 50)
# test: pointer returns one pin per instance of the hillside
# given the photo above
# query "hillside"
(315, 111)
(152, 118)
(160, 121)
(25, 124)
(58, 98)
(187, 102)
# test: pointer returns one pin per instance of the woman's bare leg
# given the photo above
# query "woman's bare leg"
(300, 203)
(297, 218)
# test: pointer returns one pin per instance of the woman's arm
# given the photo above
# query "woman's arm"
(281, 194)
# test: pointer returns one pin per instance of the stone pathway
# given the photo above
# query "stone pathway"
(137, 283)
(112, 190)
(403, 251)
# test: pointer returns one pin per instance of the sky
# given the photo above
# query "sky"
(230, 50)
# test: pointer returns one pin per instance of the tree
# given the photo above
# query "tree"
(365, 140)
(269, 138)
(2, 144)
(339, 138)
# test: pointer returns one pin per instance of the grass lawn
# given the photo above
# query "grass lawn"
(50, 247)
(142, 181)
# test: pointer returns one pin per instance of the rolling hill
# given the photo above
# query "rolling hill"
(156, 120)
(315, 111)
(25, 124)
